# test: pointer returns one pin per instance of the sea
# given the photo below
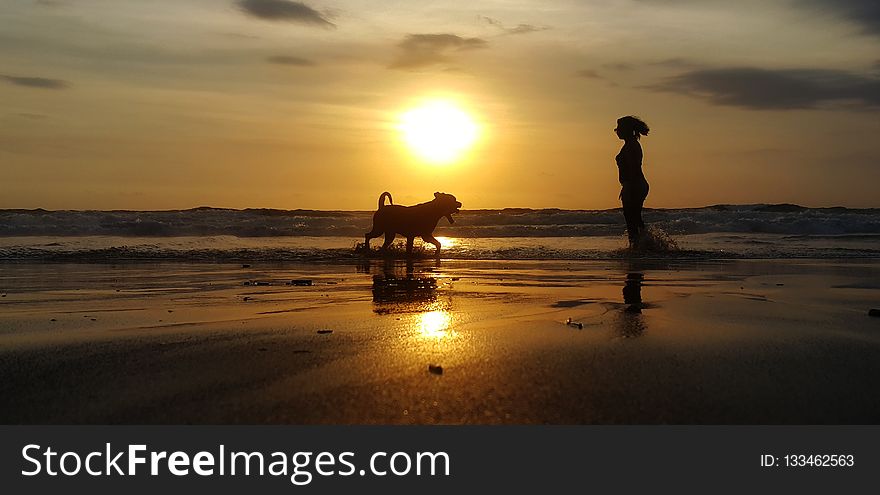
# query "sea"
(205, 234)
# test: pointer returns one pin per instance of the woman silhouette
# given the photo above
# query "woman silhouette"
(634, 186)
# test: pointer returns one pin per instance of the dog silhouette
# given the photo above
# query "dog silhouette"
(411, 221)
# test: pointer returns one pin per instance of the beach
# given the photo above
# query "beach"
(610, 341)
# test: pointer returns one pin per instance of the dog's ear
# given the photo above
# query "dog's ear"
(436, 195)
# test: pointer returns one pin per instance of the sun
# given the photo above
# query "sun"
(439, 132)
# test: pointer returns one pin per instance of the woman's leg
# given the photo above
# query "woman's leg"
(643, 194)
(633, 201)
(631, 213)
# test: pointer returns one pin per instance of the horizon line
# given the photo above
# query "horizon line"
(204, 207)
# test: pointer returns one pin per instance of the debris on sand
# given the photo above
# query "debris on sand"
(53, 319)
(435, 369)
(256, 282)
(245, 265)
(324, 332)
(579, 326)
(874, 312)
(302, 282)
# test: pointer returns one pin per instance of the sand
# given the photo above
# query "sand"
(749, 341)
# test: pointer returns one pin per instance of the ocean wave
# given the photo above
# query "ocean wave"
(519, 222)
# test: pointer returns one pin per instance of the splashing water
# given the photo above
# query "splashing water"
(653, 241)
(395, 251)
(656, 240)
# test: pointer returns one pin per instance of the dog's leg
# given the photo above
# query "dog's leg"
(389, 238)
(434, 241)
(370, 235)
(409, 246)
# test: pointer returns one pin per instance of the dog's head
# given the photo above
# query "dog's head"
(447, 204)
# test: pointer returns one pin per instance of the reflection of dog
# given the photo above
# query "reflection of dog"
(411, 221)
(393, 294)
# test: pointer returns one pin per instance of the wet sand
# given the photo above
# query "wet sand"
(756, 342)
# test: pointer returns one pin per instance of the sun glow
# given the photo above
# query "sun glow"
(438, 131)
(447, 242)
(434, 324)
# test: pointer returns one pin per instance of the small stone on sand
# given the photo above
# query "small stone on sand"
(325, 331)
(579, 326)
(435, 369)
(874, 312)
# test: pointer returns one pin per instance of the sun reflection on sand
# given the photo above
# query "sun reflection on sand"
(434, 324)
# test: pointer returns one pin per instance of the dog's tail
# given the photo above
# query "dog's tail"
(382, 199)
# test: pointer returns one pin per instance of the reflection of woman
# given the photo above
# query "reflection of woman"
(631, 323)
(634, 186)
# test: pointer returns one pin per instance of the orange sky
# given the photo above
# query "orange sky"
(272, 103)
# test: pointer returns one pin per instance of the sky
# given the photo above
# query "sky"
(171, 104)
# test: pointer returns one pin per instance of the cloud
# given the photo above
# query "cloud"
(618, 66)
(676, 63)
(518, 29)
(289, 60)
(589, 74)
(36, 82)
(777, 89)
(241, 36)
(595, 75)
(863, 12)
(422, 50)
(284, 10)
